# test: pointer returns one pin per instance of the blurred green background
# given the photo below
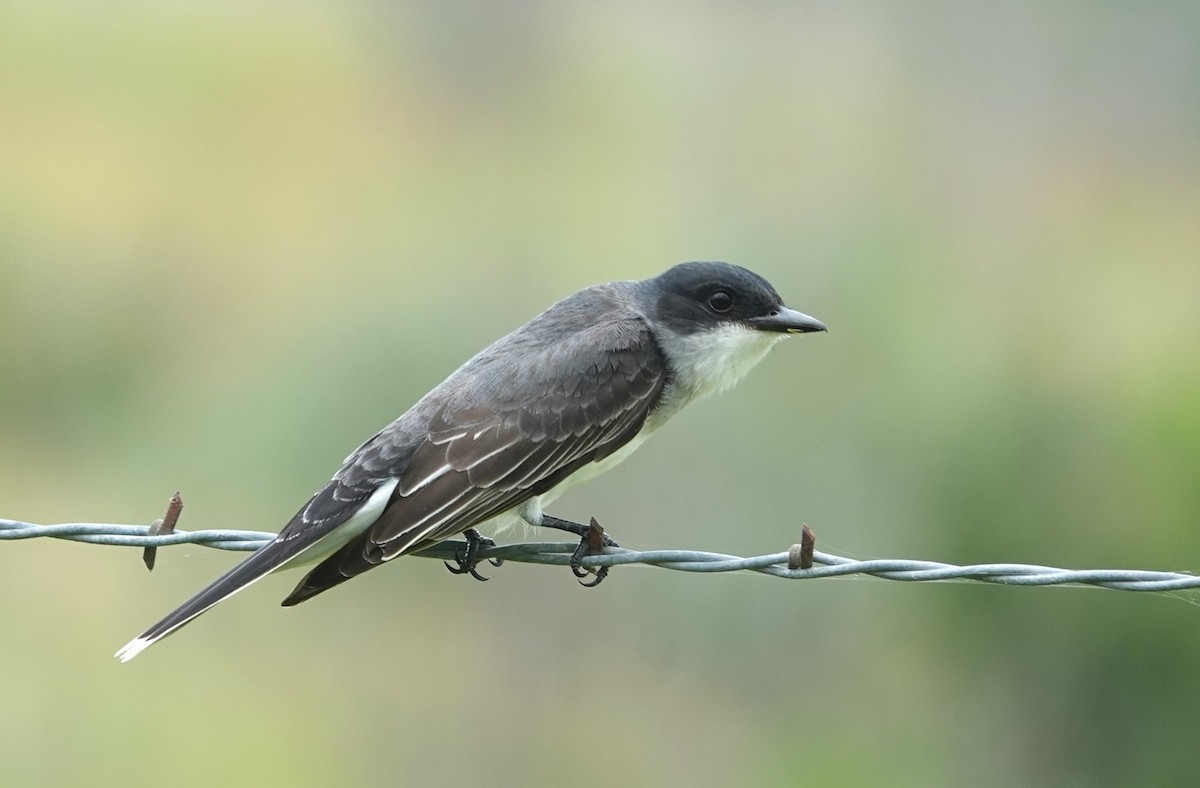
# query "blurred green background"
(236, 239)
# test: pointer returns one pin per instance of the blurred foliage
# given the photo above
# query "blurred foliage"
(236, 239)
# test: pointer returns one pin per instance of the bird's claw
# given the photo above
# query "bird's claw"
(468, 559)
(593, 542)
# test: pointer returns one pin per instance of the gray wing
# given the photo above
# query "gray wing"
(489, 447)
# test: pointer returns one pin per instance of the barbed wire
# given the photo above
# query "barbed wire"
(559, 554)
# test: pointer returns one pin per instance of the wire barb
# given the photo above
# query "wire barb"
(163, 525)
(560, 553)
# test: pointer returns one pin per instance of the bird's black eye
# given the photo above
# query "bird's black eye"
(720, 301)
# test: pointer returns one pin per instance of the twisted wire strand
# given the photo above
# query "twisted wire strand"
(559, 553)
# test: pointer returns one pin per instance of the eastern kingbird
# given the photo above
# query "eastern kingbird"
(563, 398)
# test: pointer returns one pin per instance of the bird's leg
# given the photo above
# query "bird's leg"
(469, 558)
(580, 530)
(592, 541)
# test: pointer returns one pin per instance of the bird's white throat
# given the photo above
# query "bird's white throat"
(709, 362)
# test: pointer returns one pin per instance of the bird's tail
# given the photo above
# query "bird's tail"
(254, 568)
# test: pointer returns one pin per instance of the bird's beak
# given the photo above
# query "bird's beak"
(787, 321)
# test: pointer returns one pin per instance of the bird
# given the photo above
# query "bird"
(561, 399)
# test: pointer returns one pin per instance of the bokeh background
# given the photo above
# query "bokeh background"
(236, 239)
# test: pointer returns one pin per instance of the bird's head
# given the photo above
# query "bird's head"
(700, 297)
(714, 321)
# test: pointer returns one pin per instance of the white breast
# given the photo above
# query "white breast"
(709, 362)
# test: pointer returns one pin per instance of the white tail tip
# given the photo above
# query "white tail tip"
(132, 649)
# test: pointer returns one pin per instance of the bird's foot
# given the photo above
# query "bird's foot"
(468, 558)
(592, 542)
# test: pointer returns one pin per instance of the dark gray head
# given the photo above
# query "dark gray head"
(699, 297)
